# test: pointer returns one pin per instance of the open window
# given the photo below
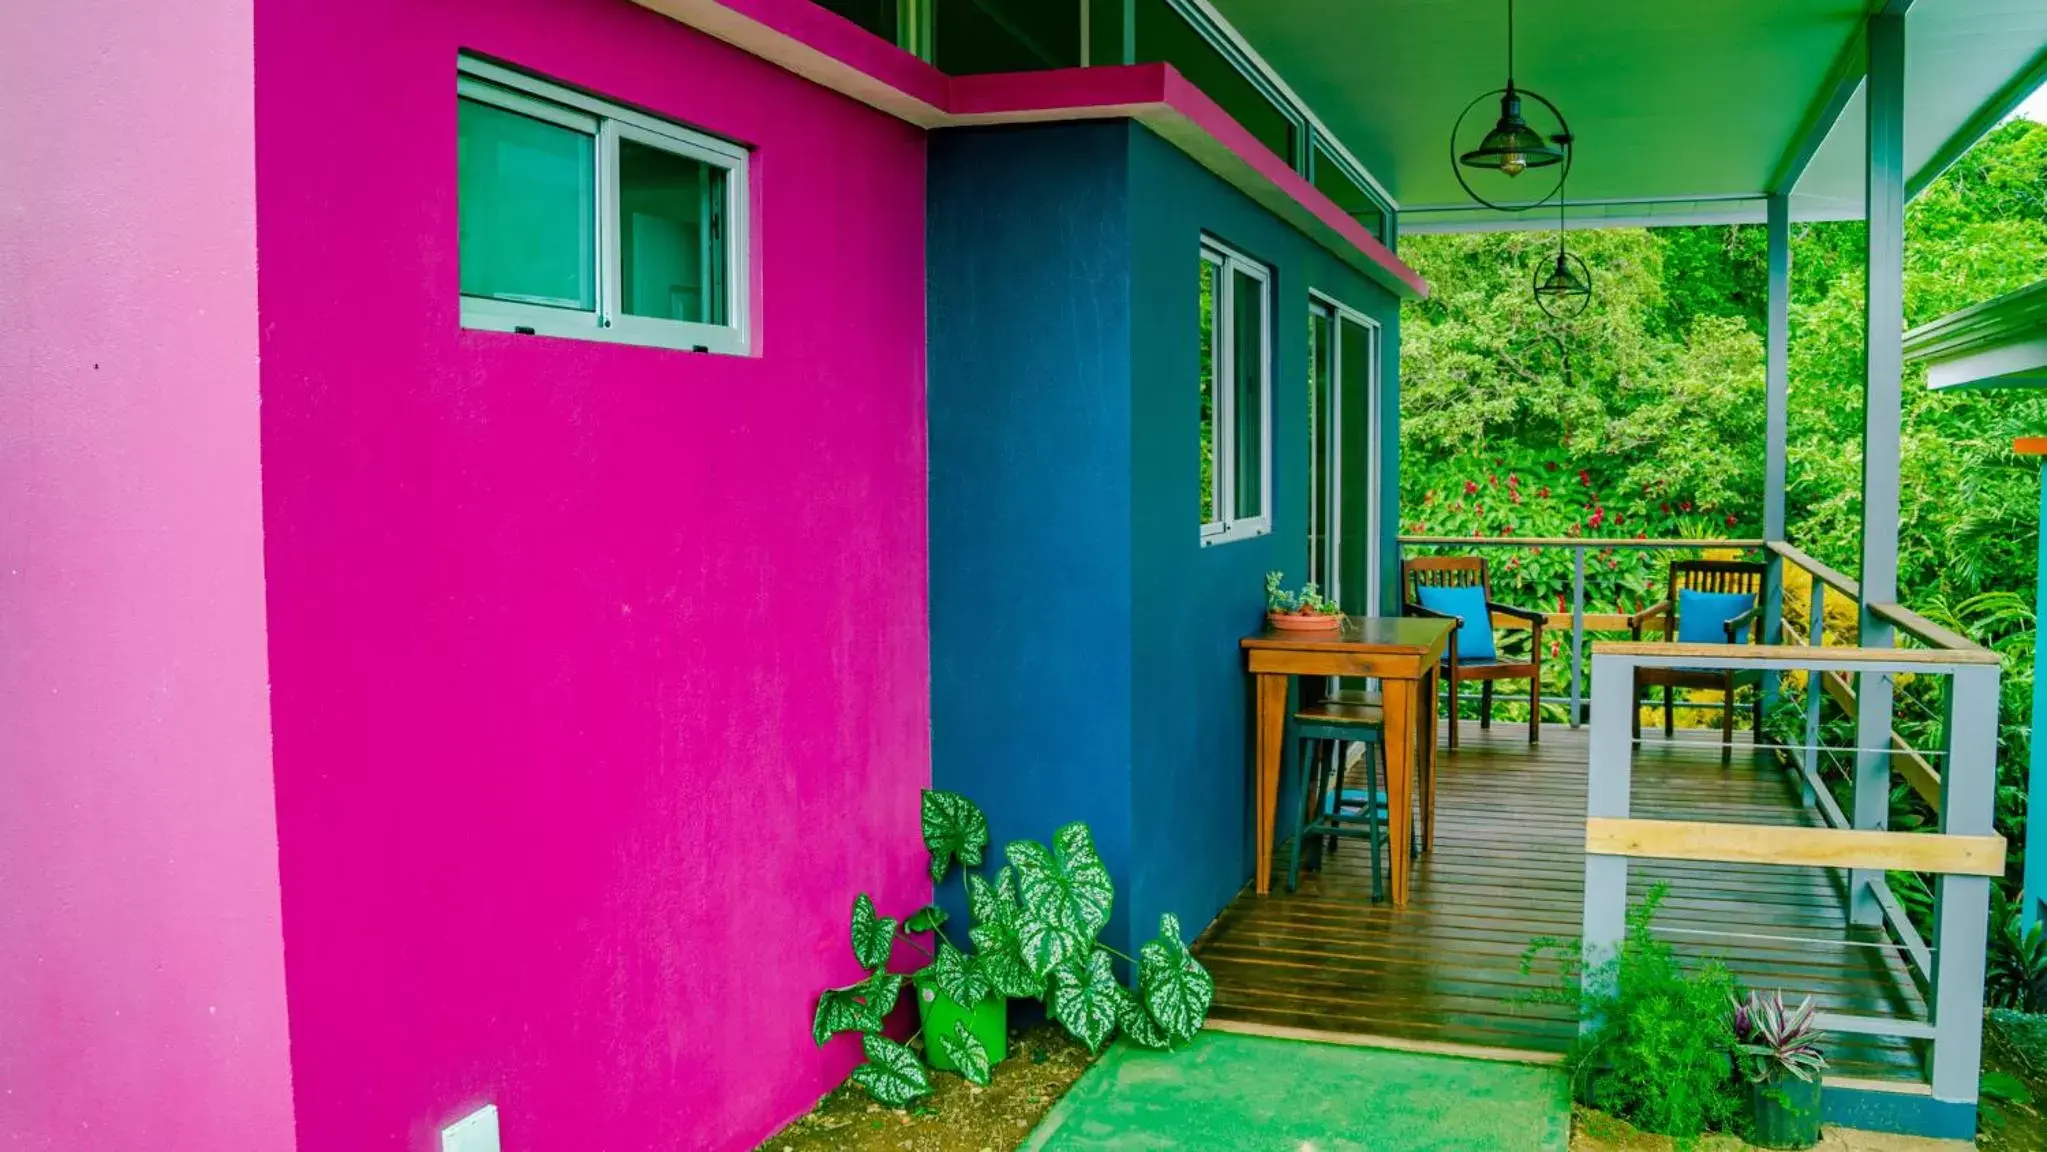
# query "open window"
(1236, 396)
(587, 220)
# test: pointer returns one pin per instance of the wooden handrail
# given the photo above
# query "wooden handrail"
(1817, 570)
(1807, 655)
(1925, 631)
(1572, 542)
(1941, 853)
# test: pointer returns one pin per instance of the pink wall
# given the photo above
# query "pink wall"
(601, 673)
(141, 969)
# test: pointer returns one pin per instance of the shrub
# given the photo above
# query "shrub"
(1659, 1054)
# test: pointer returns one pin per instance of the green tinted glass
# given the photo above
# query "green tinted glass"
(1247, 397)
(527, 201)
(671, 234)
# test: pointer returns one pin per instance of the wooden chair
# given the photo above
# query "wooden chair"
(1465, 572)
(1738, 577)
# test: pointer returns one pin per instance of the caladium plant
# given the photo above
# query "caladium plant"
(1771, 1041)
(1034, 930)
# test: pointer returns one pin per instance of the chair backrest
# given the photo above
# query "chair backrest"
(1740, 577)
(1444, 572)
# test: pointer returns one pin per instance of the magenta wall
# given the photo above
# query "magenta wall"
(141, 970)
(601, 673)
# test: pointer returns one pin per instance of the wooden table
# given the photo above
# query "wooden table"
(1403, 654)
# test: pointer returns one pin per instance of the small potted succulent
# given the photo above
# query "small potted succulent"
(1034, 928)
(1778, 1052)
(1303, 611)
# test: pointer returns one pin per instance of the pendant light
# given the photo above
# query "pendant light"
(1563, 283)
(1512, 146)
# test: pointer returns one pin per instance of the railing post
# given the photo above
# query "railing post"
(1961, 911)
(1776, 420)
(1578, 633)
(2035, 880)
(1609, 778)
(1815, 679)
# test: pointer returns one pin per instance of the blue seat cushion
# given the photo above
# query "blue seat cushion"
(1702, 616)
(1475, 636)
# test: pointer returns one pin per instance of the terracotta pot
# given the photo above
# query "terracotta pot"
(1294, 622)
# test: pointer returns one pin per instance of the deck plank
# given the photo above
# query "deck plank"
(1509, 867)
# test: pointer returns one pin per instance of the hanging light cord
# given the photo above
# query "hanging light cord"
(1510, 45)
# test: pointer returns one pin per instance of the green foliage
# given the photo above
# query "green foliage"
(1659, 1054)
(2015, 975)
(1308, 601)
(1034, 931)
(892, 1073)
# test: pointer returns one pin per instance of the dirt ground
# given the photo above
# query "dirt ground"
(957, 1117)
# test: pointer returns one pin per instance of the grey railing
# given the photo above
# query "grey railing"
(1964, 853)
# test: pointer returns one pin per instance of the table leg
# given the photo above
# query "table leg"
(1397, 697)
(1270, 739)
(1427, 751)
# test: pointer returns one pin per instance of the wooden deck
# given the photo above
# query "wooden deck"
(1509, 866)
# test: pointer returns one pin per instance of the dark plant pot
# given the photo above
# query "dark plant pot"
(987, 1022)
(1786, 1112)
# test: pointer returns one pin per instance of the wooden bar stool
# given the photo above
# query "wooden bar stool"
(1323, 733)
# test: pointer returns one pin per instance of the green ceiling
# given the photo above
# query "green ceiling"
(1694, 103)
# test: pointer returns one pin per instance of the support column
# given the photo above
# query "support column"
(1961, 910)
(2036, 772)
(1883, 361)
(1777, 420)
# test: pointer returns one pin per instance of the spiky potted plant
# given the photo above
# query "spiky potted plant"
(1033, 930)
(1778, 1052)
(1304, 611)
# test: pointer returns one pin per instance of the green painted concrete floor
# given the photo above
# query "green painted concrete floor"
(1251, 1094)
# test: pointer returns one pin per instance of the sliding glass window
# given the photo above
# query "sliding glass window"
(1236, 395)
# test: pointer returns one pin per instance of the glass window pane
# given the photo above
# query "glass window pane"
(1208, 509)
(877, 16)
(526, 195)
(671, 235)
(976, 36)
(1247, 340)
(1321, 366)
(1163, 35)
(1348, 194)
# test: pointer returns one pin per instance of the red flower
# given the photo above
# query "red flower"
(1560, 602)
(1471, 487)
(1543, 491)
(1513, 479)
(1685, 507)
(1549, 465)
(1598, 515)
(1730, 521)
(1492, 479)
(1585, 477)
(1665, 506)
(1516, 496)
(1508, 531)
(1641, 535)
(1613, 563)
(1478, 509)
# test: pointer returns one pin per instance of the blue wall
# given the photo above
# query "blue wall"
(1192, 829)
(1029, 319)
(1084, 644)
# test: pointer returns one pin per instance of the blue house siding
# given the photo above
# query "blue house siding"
(1084, 644)
(1030, 435)
(1192, 831)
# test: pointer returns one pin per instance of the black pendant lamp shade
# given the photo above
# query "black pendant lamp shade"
(1512, 146)
(1563, 284)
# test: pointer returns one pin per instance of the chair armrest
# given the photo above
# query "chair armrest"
(1413, 609)
(1636, 621)
(1538, 619)
(1753, 615)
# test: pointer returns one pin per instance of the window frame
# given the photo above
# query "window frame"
(607, 124)
(1339, 314)
(1226, 525)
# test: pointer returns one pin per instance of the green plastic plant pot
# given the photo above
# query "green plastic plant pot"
(987, 1022)
(1786, 1112)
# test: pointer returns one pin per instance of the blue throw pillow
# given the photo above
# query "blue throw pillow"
(1702, 616)
(1475, 638)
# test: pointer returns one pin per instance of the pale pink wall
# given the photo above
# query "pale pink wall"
(601, 675)
(142, 999)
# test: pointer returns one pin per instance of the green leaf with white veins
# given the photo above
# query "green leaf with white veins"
(1084, 998)
(953, 827)
(967, 1053)
(892, 1073)
(958, 975)
(925, 919)
(1175, 988)
(873, 936)
(1000, 957)
(1047, 946)
(856, 1008)
(1138, 1025)
(1067, 885)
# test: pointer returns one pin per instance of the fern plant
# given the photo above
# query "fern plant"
(2015, 975)
(1034, 931)
(1660, 1052)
